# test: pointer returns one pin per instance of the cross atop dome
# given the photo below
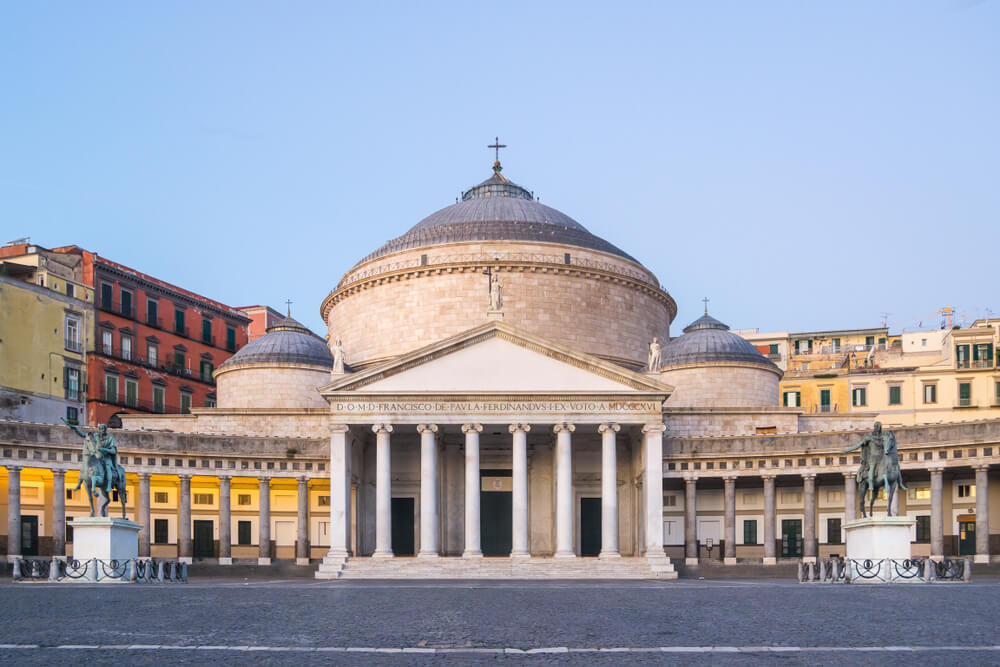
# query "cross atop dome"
(496, 145)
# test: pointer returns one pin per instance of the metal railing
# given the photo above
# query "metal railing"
(74, 345)
(884, 570)
(114, 351)
(134, 570)
(965, 364)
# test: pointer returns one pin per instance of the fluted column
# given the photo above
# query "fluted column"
(850, 497)
(729, 555)
(937, 513)
(654, 489)
(225, 521)
(13, 512)
(691, 521)
(519, 472)
(609, 490)
(430, 514)
(564, 491)
(769, 518)
(473, 547)
(383, 492)
(982, 514)
(59, 513)
(340, 492)
(264, 522)
(143, 518)
(809, 517)
(184, 552)
(302, 524)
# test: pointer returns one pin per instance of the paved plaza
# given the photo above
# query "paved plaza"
(300, 621)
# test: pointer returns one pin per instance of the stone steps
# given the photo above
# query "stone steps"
(496, 568)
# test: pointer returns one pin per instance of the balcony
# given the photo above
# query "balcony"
(141, 405)
(74, 345)
(170, 368)
(973, 364)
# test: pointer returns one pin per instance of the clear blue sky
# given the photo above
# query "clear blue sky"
(806, 165)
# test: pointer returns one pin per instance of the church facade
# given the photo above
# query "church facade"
(499, 394)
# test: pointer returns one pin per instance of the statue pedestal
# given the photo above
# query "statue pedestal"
(105, 539)
(872, 545)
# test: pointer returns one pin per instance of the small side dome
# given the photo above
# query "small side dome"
(287, 342)
(709, 340)
(280, 370)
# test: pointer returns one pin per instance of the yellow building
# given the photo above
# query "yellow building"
(44, 336)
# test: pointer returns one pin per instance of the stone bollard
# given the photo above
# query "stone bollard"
(129, 573)
(93, 570)
(800, 573)
(159, 573)
(967, 570)
(16, 569)
(184, 572)
(173, 572)
(930, 570)
(54, 569)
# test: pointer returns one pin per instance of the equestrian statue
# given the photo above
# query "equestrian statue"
(879, 467)
(99, 471)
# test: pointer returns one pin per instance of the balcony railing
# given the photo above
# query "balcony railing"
(73, 345)
(166, 366)
(965, 402)
(967, 364)
(141, 404)
(157, 323)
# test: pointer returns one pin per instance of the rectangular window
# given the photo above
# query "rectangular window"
(72, 382)
(206, 330)
(919, 493)
(157, 399)
(152, 312)
(749, 531)
(107, 296)
(69, 290)
(923, 528)
(243, 532)
(206, 371)
(996, 398)
(72, 334)
(895, 395)
(161, 497)
(982, 355)
(962, 356)
(824, 400)
(965, 394)
(185, 403)
(152, 354)
(833, 531)
(203, 499)
(324, 501)
(111, 388)
(869, 340)
(72, 415)
(179, 321)
(858, 397)
(107, 346)
(930, 393)
(772, 348)
(131, 393)
(792, 399)
(69, 533)
(126, 303)
(836, 345)
(670, 501)
(179, 361)
(126, 347)
(161, 531)
(966, 491)
(231, 339)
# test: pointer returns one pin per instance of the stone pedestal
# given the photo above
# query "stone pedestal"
(105, 539)
(878, 539)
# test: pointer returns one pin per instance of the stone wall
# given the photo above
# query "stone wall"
(602, 305)
(310, 423)
(721, 385)
(694, 422)
(271, 386)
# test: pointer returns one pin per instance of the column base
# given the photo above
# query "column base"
(981, 558)
(339, 554)
(263, 561)
(472, 554)
(383, 554)
(185, 559)
(520, 555)
(428, 554)
(770, 560)
(301, 561)
(729, 561)
(225, 561)
(609, 555)
(564, 554)
(690, 561)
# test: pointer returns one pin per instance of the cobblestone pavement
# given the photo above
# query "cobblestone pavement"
(718, 622)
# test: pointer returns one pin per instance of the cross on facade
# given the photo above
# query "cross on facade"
(705, 301)
(497, 146)
(288, 304)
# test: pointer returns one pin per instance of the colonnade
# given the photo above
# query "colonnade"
(430, 514)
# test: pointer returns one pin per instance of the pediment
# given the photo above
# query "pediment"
(496, 359)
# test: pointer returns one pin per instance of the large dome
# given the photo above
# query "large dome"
(287, 342)
(497, 210)
(709, 340)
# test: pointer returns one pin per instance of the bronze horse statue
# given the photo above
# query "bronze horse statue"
(99, 470)
(879, 468)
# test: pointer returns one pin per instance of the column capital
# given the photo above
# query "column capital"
(937, 470)
(302, 479)
(729, 479)
(609, 426)
(852, 474)
(563, 426)
(809, 475)
(769, 476)
(382, 428)
(224, 476)
(691, 479)
(57, 473)
(339, 428)
(184, 476)
(469, 428)
(141, 475)
(654, 428)
(522, 428)
(264, 479)
(982, 468)
(13, 468)
(427, 428)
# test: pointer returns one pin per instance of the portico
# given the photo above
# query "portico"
(494, 411)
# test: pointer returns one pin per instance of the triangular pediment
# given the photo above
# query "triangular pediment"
(495, 358)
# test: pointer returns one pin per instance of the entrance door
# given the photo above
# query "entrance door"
(402, 527)
(791, 538)
(29, 535)
(824, 400)
(967, 538)
(590, 526)
(496, 512)
(204, 542)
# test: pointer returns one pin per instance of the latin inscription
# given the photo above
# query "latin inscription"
(526, 407)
